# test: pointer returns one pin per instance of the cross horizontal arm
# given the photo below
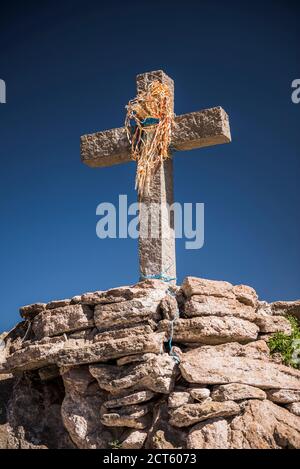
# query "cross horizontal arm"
(193, 130)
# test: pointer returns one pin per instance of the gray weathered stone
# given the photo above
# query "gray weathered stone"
(104, 346)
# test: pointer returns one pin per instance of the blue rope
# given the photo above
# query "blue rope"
(160, 276)
(173, 354)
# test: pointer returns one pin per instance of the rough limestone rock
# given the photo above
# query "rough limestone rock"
(212, 330)
(153, 366)
(237, 392)
(179, 398)
(203, 305)
(211, 434)
(161, 434)
(127, 313)
(246, 295)
(225, 364)
(156, 373)
(58, 320)
(134, 439)
(264, 425)
(30, 311)
(130, 399)
(294, 408)
(283, 396)
(284, 308)
(129, 416)
(197, 286)
(198, 394)
(189, 414)
(270, 324)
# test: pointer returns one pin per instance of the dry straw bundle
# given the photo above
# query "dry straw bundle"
(148, 123)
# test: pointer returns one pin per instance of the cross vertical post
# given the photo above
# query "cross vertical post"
(157, 236)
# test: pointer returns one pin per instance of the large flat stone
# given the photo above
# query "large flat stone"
(127, 313)
(237, 392)
(211, 330)
(189, 414)
(109, 346)
(203, 305)
(37, 355)
(156, 372)
(264, 425)
(232, 363)
(57, 321)
(151, 287)
(103, 347)
(200, 286)
(130, 399)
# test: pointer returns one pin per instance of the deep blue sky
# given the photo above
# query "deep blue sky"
(70, 69)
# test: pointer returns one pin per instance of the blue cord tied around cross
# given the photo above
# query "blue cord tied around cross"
(162, 276)
(165, 278)
(145, 123)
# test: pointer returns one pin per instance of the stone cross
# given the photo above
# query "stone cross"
(194, 130)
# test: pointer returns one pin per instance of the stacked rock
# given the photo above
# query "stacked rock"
(153, 366)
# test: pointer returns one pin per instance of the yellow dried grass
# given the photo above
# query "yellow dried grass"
(150, 143)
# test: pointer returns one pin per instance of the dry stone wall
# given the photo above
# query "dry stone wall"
(97, 371)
